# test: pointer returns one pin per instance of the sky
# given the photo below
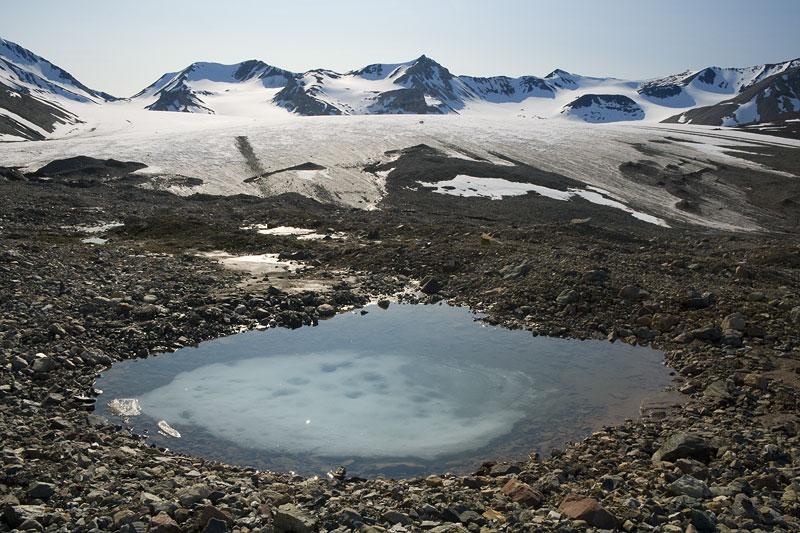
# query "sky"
(122, 47)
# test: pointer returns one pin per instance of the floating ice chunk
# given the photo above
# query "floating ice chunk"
(167, 430)
(124, 407)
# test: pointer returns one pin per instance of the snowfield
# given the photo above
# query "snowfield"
(205, 147)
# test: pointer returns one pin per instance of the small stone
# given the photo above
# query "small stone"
(491, 514)
(434, 481)
(756, 297)
(580, 507)
(326, 310)
(60, 424)
(794, 315)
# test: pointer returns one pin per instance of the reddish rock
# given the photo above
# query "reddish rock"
(209, 512)
(162, 523)
(522, 494)
(587, 509)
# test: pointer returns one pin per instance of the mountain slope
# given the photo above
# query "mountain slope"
(693, 88)
(773, 98)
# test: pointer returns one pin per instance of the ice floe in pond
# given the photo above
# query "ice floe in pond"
(307, 403)
(498, 188)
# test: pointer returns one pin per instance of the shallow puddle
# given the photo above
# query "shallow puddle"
(405, 391)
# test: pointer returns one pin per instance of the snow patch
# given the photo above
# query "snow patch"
(497, 188)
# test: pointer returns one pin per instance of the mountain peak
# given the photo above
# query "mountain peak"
(27, 71)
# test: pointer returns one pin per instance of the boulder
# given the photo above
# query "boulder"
(566, 297)
(630, 293)
(685, 446)
(291, 519)
(663, 322)
(189, 496)
(688, 486)
(708, 333)
(589, 510)
(734, 321)
(596, 276)
(162, 523)
(212, 513)
(515, 271)
(17, 514)
(691, 299)
(430, 285)
(43, 364)
(522, 493)
(41, 490)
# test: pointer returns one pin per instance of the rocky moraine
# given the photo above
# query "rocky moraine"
(718, 451)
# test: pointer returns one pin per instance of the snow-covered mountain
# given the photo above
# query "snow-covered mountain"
(37, 98)
(33, 94)
(776, 97)
(188, 89)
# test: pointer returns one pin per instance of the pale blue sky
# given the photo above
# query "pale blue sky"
(121, 47)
